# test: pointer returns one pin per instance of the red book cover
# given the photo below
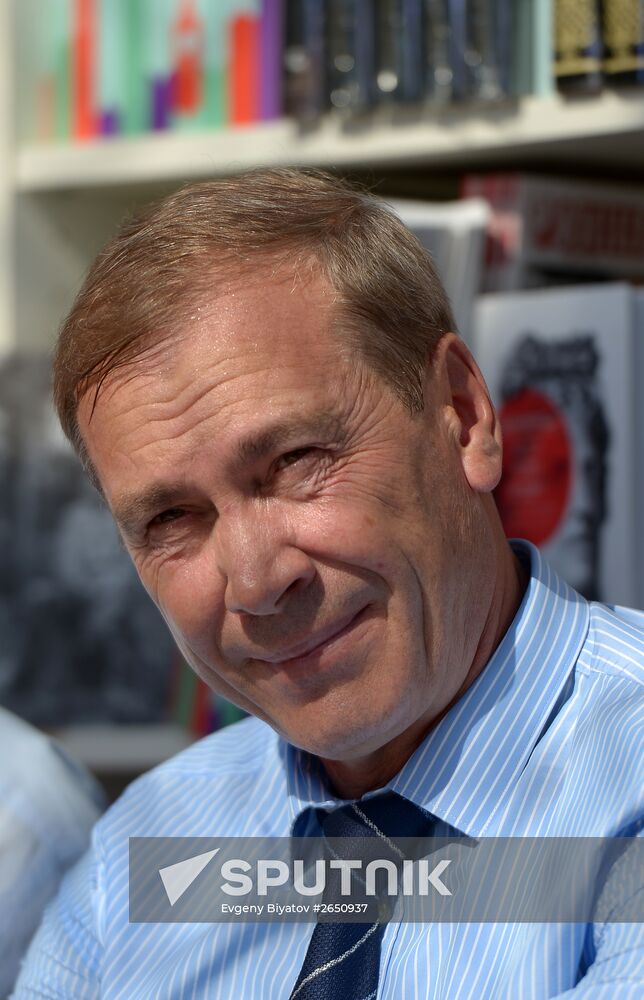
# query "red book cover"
(188, 46)
(83, 60)
(244, 69)
(200, 723)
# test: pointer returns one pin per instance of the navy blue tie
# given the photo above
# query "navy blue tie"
(343, 959)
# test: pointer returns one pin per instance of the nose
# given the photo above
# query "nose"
(260, 566)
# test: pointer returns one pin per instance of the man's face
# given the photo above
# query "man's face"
(306, 539)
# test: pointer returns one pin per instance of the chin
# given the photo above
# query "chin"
(343, 739)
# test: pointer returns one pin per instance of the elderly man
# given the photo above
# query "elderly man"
(262, 378)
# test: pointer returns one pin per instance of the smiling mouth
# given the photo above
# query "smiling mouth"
(310, 649)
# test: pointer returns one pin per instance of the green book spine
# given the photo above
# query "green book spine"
(135, 112)
(524, 47)
(61, 28)
(543, 77)
(112, 66)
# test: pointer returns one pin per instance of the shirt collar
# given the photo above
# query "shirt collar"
(470, 762)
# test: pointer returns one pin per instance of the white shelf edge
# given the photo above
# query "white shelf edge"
(453, 138)
(127, 748)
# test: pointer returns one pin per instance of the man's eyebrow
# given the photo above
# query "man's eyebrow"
(256, 446)
(131, 509)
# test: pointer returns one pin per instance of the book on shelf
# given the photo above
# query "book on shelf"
(244, 65)
(623, 38)
(482, 45)
(270, 59)
(194, 706)
(399, 64)
(578, 46)
(436, 53)
(564, 368)
(351, 56)
(533, 39)
(304, 70)
(106, 67)
(454, 235)
(544, 229)
(84, 59)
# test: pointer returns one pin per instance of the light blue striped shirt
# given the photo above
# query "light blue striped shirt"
(546, 742)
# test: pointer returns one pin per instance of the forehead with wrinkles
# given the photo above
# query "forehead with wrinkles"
(258, 347)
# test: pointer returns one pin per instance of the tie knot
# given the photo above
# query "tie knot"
(386, 816)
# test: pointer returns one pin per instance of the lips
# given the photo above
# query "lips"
(313, 643)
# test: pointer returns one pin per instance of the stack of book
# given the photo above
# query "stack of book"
(597, 42)
(104, 67)
(194, 706)
(564, 365)
(565, 368)
(454, 234)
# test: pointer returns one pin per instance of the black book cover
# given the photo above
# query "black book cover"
(437, 70)
(351, 69)
(305, 96)
(399, 50)
(481, 49)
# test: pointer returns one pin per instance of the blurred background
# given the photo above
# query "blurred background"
(508, 134)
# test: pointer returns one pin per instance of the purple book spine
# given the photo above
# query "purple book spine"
(271, 44)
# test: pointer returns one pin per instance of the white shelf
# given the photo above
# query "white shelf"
(553, 128)
(126, 749)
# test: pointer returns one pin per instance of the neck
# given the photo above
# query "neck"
(351, 779)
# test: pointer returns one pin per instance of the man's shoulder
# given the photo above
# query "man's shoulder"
(215, 783)
(615, 644)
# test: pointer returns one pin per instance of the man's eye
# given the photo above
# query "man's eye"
(167, 516)
(291, 457)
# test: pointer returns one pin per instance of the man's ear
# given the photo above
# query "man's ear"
(471, 417)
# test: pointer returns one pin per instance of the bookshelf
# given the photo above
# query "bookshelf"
(601, 131)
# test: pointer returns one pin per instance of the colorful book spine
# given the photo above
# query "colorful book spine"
(271, 35)
(111, 69)
(244, 65)
(155, 62)
(216, 17)
(84, 57)
(187, 58)
(543, 83)
(623, 36)
(43, 69)
(194, 706)
(578, 46)
(136, 118)
(37, 52)
(61, 22)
